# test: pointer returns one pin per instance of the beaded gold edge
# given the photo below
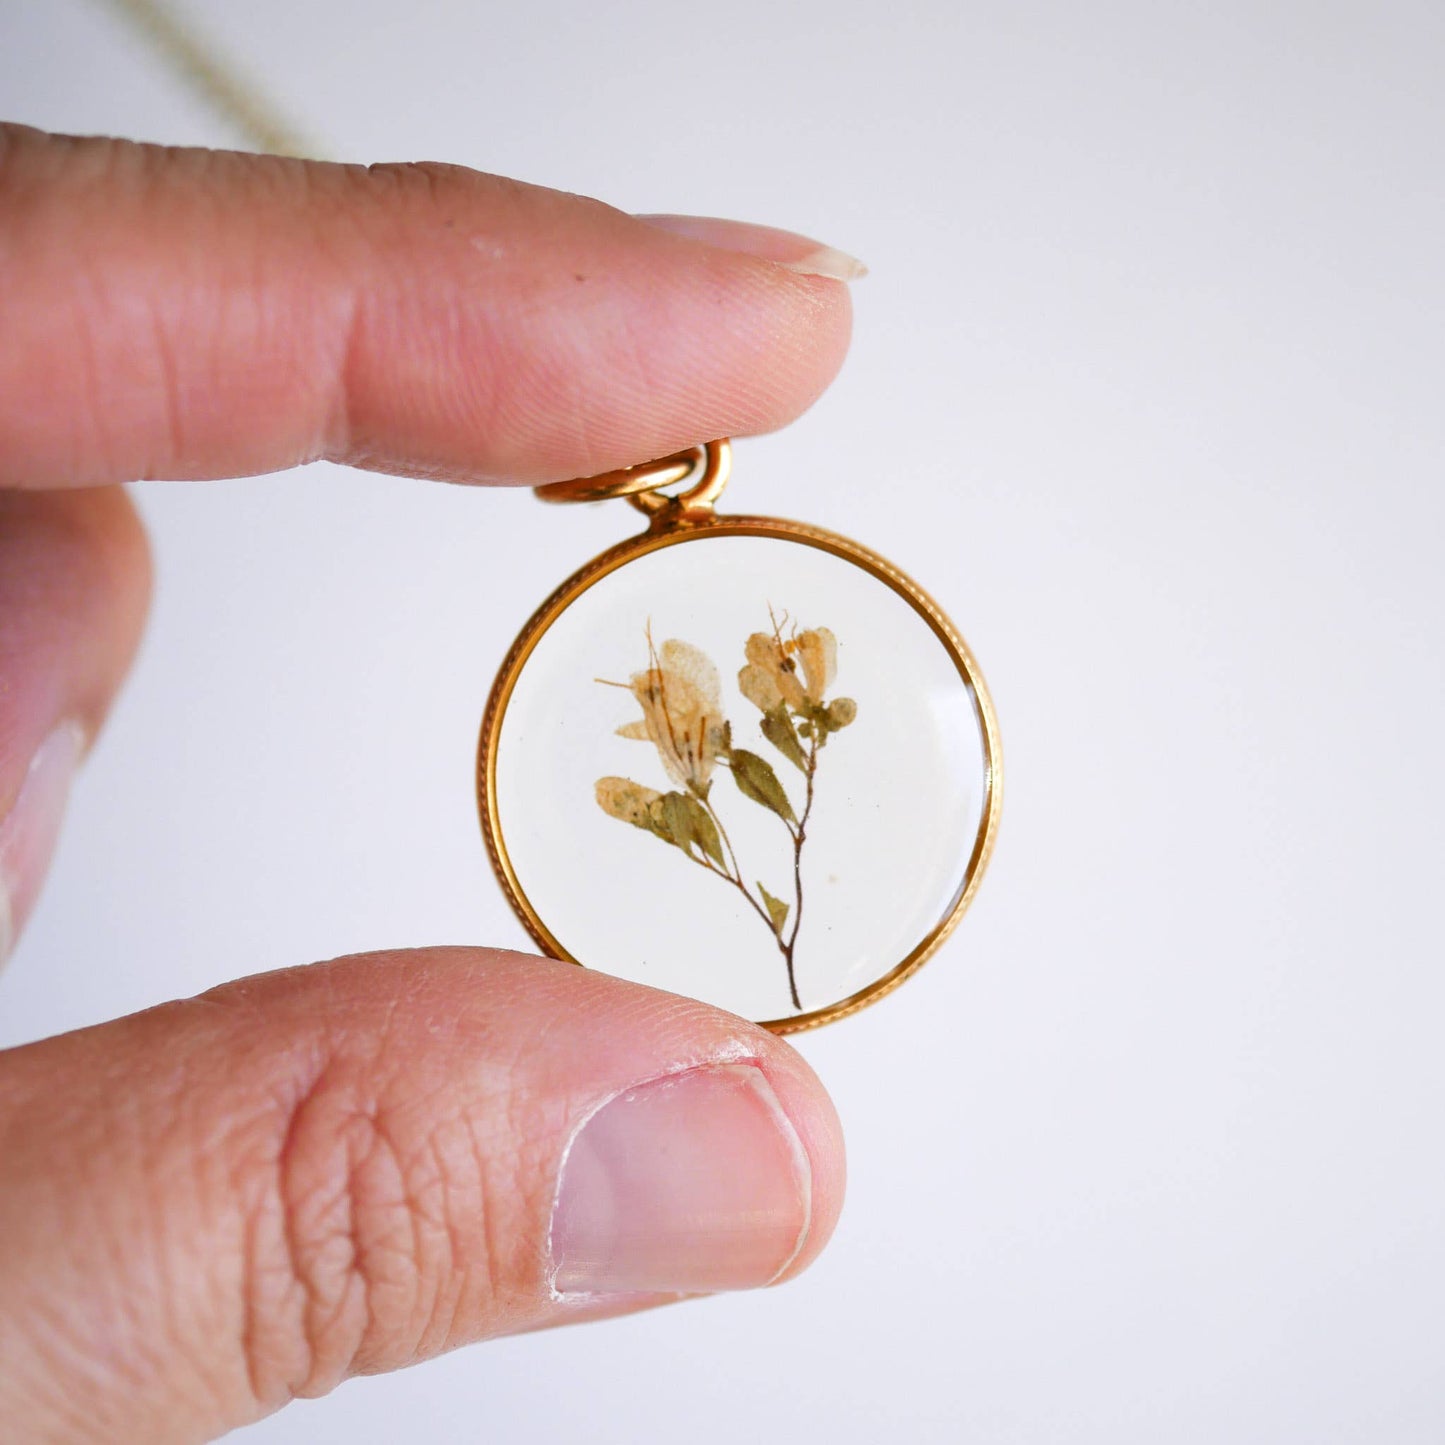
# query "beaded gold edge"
(653, 540)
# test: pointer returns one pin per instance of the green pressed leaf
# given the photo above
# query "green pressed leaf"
(704, 832)
(777, 727)
(757, 780)
(682, 820)
(657, 821)
(777, 910)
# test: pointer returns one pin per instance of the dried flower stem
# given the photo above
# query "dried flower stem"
(736, 879)
(800, 835)
(786, 678)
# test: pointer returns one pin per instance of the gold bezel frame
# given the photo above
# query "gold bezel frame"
(711, 526)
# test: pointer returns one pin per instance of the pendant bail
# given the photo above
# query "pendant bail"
(643, 485)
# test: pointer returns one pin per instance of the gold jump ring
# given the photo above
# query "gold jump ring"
(642, 485)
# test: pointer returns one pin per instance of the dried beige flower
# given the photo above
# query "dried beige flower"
(791, 672)
(681, 712)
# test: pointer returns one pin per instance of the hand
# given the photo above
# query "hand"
(215, 1206)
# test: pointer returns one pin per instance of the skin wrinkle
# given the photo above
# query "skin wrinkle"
(88, 415)
(517, 1127)
(302, 1251)
(49, 1338)
(344, 304)
(169, 388)
(386, 1228)
(446, 1222)
(490, 1235)
(359, 1139)
(169, 1157)
(463, 1287)
(253, 1214)
(259, 1333)
(340, 1256)
(424, 1176)
(257, 1173)
(337, 436)
(532, 1132)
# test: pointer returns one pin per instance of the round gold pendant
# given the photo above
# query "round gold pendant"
(738, 758)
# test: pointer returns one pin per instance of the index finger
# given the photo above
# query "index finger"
(188, 313)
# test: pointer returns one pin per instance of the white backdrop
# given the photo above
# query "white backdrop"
(1146, 387)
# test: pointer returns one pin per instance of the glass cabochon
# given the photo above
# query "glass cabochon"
(746, 674)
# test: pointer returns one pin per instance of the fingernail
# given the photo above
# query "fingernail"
(29, 830)
(785, 248)
(692, 1183)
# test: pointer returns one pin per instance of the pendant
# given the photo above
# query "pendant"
(738, 758)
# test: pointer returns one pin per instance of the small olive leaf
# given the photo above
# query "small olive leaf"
(841, 711)
(757, 780)
(658, 822)
(704, 833)
(688, 824)
(660, 828)
(777, 910)
(777, 727)
(644, 808)
(668, 820)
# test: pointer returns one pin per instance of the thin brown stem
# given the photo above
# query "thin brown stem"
(736, 876)
(800, 835)
(723, 834)
(756, 907)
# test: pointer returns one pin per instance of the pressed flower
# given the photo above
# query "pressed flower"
(682, 717)
(818, 651)
(770, 679)
(792, 672)
(682, 713)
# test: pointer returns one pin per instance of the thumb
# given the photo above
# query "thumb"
(218, 1205)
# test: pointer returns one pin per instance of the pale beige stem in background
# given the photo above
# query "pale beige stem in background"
(236, 100)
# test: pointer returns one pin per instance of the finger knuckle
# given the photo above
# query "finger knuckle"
(370, 1218)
